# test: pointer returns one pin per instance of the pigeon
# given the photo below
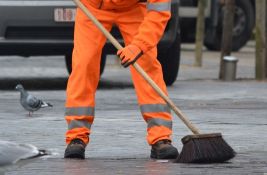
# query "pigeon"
(11, 152)
(29, 102)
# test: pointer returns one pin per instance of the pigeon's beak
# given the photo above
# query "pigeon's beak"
(18, 87)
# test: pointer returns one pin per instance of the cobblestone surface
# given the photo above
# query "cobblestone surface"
(237, 109)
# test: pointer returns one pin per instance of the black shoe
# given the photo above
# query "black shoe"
(75, 149)
(163, 149)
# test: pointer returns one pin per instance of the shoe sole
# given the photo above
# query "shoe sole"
(75, 153)
(74, 156)
(164, 154)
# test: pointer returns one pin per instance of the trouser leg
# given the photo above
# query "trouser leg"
(153, 108)
(83, 81)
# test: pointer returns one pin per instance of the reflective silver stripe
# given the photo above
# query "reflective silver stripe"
(79, 124)
(79, 111)
(155, 108)
(159, 6)
(159, 122)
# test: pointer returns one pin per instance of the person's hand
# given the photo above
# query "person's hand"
(129, 54)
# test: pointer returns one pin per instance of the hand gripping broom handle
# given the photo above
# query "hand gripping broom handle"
(138, 68)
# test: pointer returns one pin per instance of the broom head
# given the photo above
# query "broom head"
(205, 148)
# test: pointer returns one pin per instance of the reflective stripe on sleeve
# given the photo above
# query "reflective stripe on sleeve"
(159, 122)
(79, 124)
(155, 108)
(159, 6)
(80, 111)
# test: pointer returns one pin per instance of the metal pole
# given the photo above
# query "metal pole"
(228, 22)
(261, 40)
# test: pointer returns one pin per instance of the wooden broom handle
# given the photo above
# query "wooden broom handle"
(177, 111)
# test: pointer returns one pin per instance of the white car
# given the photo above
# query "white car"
(45, 27)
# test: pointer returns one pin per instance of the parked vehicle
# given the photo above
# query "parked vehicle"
(244, 22)
(45, 27)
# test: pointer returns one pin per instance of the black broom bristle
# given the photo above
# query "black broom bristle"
(205, 148)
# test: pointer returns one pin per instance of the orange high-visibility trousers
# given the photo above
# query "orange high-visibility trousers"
(83, 81)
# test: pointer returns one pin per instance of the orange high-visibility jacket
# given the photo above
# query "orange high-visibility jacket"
(151, 29)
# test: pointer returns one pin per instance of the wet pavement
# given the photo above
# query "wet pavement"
(237, 109)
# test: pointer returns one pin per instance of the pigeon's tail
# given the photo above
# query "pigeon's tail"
(45, 104)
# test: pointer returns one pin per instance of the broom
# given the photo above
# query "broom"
(198, 148)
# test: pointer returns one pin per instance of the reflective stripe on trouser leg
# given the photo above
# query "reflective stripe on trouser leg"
(159, 123)
(79, 120)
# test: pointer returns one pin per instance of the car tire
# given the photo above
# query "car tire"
(170, 61)
(243, 27)
(68, 61)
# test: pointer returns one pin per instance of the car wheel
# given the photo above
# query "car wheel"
(170, 61)
(244, 21)
(68, 61)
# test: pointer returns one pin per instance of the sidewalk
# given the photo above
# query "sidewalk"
(211, 63)
(237, 109)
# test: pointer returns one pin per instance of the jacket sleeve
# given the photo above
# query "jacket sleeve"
(151, 29)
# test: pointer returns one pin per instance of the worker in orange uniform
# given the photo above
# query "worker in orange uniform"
(142, 25)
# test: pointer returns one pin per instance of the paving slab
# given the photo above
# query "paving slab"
(237, 109)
